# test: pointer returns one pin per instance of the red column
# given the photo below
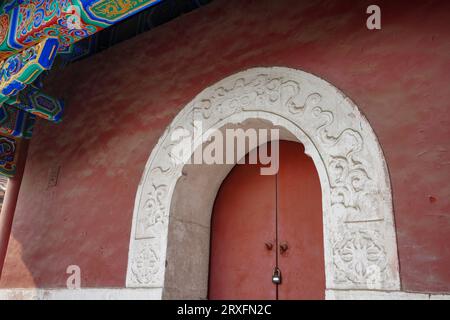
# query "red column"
(10, 201)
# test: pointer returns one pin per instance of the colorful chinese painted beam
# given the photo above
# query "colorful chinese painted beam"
(8, 148)
(78, 50)
(10, 144)
(24, 23)
(23, 68)
(108, 12)
(34, 101)
(15, 122)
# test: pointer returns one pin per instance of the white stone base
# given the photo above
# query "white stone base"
(156, 293)
(81, 294)
(381, 295)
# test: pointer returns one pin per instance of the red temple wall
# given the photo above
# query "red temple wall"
(120, 101)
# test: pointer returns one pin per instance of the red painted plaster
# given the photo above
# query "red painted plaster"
(120, 101)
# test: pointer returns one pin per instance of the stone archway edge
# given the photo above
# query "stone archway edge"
(359, 231)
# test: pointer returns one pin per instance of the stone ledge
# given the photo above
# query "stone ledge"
(332, 294)
(81, 294)
(155, 294)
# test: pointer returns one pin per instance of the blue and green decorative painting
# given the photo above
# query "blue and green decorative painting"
(24, 23)
(8, 148)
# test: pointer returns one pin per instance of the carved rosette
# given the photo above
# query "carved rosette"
(146, 265)
(360, 258)
(355, 184)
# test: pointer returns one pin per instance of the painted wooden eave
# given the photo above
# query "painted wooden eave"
(25, 23)
(32, 33)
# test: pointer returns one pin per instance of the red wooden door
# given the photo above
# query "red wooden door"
(244, 218)
(300, 227)
(262, 222)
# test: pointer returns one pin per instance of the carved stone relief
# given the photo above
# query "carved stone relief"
(359, 233)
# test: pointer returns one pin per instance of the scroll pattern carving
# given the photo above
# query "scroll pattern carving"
(351, 185)
(357, 198)
(154, 212)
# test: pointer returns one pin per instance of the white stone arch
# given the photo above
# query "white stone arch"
(359, 233)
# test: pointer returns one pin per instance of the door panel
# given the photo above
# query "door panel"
(251, 210)
(243, 221)
(300, 225)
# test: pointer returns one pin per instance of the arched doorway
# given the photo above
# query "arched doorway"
(269, 225)
(169, 243)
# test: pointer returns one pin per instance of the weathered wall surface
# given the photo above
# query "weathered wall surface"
(120, 101)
